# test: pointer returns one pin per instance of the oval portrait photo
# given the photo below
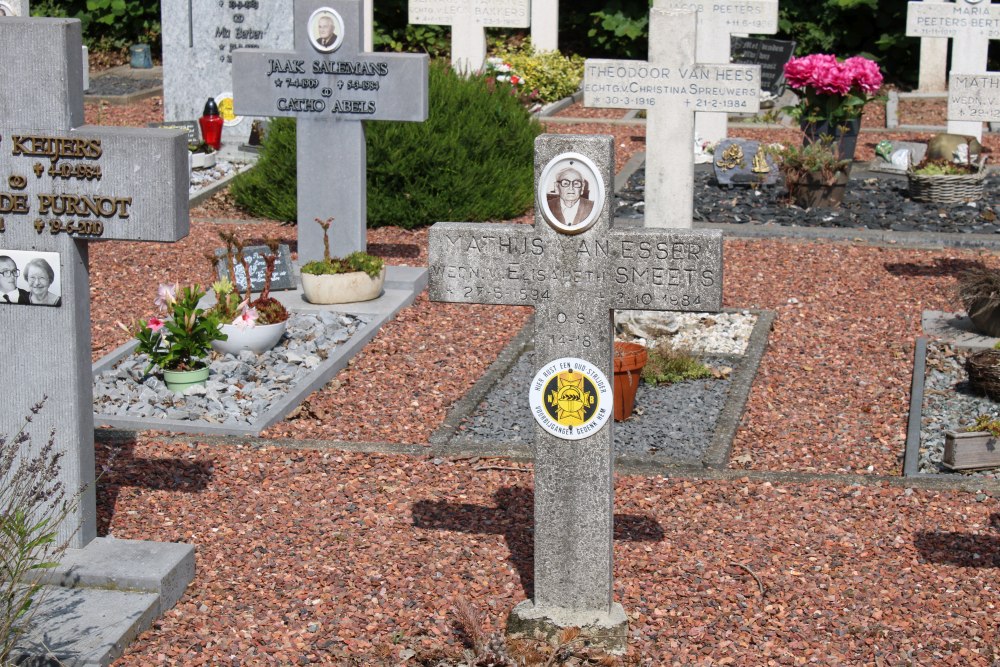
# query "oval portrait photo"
(326, 29)
(570, 193)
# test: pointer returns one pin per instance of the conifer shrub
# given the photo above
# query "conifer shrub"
(471, 160)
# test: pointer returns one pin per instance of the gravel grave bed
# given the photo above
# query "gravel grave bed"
(949, 404)
(240, 389)
(870, 203)
(109, 84)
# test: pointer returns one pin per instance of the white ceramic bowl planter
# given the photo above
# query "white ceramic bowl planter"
(257, 339)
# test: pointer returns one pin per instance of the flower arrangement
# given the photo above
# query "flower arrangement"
(242, 310)
(832, 91)
(180, 337)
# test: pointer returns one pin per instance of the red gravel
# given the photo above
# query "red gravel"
(332, 557)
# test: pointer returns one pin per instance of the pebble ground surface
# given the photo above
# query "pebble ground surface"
(808, 550)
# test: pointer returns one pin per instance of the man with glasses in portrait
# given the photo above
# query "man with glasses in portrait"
(569, 204)
(9, 291)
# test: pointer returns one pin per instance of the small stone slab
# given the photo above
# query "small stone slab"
(743, 162)
(954, 329)
(284, 271)
(84, 627)
(770, 54)
(917, 152)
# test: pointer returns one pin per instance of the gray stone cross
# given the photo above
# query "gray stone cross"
(575, 269)
(671, 86)
(329, 86)
(971, 24)
(63, 184)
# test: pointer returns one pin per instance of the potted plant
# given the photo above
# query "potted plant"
(356, 277)
(833, 94)
(201, 156)
(179, 342)
(251, 324)
(814, 175)
(628, 363)
(975, 447)
(979, 292)
(948, 181)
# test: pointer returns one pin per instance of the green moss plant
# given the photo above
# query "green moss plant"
(667, 365)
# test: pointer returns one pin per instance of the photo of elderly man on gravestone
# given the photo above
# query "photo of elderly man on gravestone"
(9, 291)
(568, 202)
(325, 29)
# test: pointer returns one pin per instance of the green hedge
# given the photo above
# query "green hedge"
(471, 160)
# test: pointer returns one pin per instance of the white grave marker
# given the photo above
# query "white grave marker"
(971, 24)
(933, 63)
(329, 85)
(718, 21)
(974, 97)
(545, 25)
(671, 86)
(468, 20)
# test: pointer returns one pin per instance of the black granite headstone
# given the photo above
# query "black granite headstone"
(283, 278)
(770, 54)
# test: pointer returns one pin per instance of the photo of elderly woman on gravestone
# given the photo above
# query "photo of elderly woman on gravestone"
(568, 203)
(40, 275)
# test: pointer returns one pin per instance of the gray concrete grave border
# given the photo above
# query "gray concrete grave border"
(447, 440)
(955, 329)
(402, 286)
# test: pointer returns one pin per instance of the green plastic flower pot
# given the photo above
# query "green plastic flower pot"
(179, 381)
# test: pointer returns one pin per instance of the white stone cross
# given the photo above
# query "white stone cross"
(329, 89)
(545, 25)
(670, 86)
(933, 63)
(575, 269)
(718, 21)
(971, 24)
(62, 185)
(468, 20)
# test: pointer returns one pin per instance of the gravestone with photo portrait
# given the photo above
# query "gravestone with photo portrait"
(971, 25)
(330, 85)
(62, 185)
(717, 22)
(468, 20)
(199, 39)
(671, 85)
(574, 269)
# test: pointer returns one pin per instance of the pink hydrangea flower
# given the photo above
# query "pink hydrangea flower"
(864, 74)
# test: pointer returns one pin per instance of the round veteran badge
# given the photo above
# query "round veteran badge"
(570, 398)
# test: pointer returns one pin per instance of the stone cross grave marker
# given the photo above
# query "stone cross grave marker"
(468, 20)
(199, 39)
(974, 97)
(970, 24)
(63, 184)
(933, 63)
(545, 25)
(718, 21)
(329, 88)
(575, 269)
(671, 86)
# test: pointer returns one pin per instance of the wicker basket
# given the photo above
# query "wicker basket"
(983, 368)
(947, 189)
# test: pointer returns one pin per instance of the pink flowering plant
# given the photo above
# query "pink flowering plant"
(180, 337)
(832, 90)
